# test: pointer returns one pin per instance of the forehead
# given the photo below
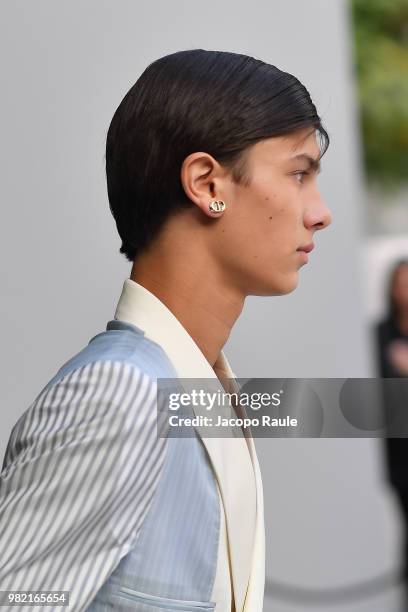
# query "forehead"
(286, 148)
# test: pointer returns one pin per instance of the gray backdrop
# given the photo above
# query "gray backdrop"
(65, 67)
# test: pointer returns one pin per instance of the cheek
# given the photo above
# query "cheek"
(281, 203)
(282, 225)
(263, 226)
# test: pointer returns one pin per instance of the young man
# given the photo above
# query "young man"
(212, 161)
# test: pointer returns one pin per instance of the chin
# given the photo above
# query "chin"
(281, 286)
(288, 288)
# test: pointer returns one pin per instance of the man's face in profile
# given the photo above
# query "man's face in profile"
(269, 220)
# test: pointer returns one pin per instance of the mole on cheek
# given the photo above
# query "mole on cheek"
(270, 218)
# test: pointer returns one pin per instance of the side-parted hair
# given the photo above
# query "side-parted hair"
(194, 100)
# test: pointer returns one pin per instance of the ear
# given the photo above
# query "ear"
(202, 178)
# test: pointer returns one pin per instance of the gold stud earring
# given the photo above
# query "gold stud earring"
(217, 206)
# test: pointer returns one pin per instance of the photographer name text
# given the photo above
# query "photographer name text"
(207, 421)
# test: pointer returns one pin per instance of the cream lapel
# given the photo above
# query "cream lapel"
(230, 458)
(255, 593)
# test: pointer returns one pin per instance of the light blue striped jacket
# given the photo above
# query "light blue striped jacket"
(103, 495)
(94, 502)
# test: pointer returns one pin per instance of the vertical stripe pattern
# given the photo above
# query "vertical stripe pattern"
(79, 474)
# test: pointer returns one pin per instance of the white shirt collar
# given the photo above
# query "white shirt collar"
(139, 306)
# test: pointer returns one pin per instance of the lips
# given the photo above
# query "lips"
(307, 248)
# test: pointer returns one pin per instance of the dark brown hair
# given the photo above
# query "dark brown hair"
(194, 100)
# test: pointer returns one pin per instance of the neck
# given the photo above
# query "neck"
(200, 299)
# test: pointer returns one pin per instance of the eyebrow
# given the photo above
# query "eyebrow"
(314, 163)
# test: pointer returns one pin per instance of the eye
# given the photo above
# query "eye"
(300, 174)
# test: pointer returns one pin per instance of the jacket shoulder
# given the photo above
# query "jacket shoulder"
(121, 342)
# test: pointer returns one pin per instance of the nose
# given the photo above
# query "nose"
(318, 216)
